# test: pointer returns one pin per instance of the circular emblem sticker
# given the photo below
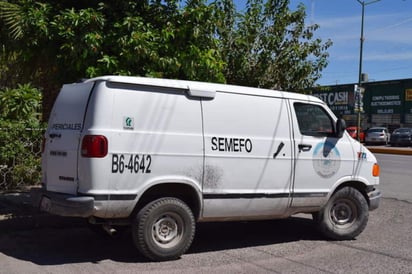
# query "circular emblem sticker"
(326, 159)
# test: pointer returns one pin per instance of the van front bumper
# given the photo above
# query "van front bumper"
(62, 204)
(374, 199)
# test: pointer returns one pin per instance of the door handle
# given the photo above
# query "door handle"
(304, 147)
(281, 145)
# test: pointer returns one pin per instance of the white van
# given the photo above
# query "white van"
(160, 155)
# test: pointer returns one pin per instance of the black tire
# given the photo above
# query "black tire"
(345, 215)
(164, 229)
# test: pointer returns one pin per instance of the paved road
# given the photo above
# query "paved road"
(282, 246)
(45, 244)
(396, 176)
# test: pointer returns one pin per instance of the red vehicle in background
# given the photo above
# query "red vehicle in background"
(354, 131)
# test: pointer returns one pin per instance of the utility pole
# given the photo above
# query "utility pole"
(358, 89)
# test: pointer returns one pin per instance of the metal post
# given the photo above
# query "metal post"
(362, 38)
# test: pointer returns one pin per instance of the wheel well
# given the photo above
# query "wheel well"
(183, 192)
(361, 187)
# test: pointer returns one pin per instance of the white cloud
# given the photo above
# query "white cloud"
(395, 56)
(387, 37)
(394, 28)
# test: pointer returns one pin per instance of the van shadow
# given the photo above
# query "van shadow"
(232, 235)
(64, 242)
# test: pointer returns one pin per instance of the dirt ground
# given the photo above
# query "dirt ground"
(17, 213)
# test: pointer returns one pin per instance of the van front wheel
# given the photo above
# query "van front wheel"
(345, 215)
(164, 229)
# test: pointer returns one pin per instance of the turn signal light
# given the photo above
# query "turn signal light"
(376, 170)
(94, 146)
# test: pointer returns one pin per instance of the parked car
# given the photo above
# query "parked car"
(401, 137)
(377, 135)
(353, 132)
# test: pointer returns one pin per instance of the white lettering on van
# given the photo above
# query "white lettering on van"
(232, 144)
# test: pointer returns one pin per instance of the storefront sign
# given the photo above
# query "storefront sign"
(338, 101)
(386, 104)
(408, 94)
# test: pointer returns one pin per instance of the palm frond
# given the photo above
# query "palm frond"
(11, 15)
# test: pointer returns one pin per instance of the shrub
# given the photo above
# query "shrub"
(21, 133)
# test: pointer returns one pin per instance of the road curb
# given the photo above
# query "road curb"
(391, 150)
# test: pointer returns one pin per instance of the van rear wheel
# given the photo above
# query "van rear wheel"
(345, 215)
(164, 229)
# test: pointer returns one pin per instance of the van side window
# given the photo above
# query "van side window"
(313, 120)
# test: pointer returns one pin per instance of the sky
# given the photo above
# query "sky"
(387, 48)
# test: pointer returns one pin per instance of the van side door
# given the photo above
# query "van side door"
(322, 159)
(248, 156)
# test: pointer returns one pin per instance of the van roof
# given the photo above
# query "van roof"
(203, 89)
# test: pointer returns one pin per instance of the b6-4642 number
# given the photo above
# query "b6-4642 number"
(133, 163)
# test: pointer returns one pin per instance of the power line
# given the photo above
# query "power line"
(393, 25)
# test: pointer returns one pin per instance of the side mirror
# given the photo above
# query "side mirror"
(340, 127)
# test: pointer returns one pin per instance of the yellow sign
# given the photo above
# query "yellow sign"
(408, 94)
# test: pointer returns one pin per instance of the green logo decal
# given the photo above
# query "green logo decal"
(128, 122)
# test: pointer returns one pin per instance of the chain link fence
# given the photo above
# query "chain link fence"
(20, 157)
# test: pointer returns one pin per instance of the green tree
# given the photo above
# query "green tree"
(49, 43)
(64, 41)
(270, 46)
(114, 37)
(20, 104)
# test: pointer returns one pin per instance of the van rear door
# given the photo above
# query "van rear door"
(62, 138)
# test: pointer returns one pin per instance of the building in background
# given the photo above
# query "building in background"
(385, 103)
